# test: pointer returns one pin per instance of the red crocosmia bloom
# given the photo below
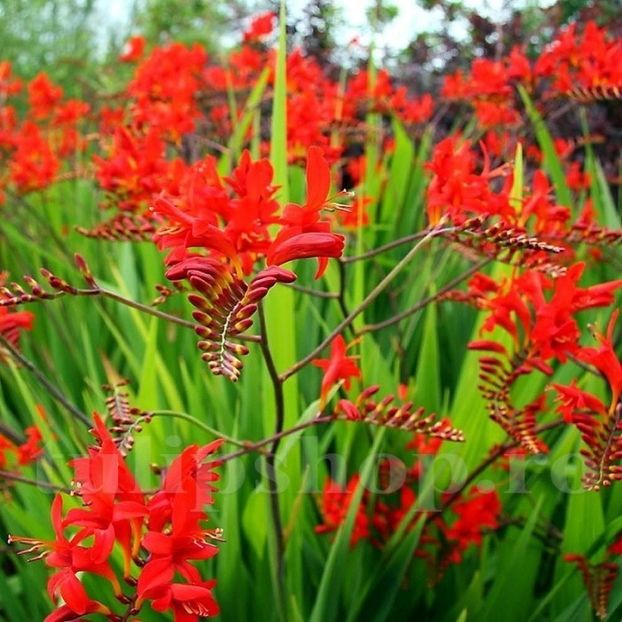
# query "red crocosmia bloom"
(133, 49)
(165, 88)
(190, 475)
(13, 455)
(519, 65)
(13, 323)
(30, 450)
(587, 60)
(187, 488)
(338, 367)
(261, 26)
(167, 524)
(134, 169)
(43, 95)
(477, 512)
(334, 506)
(233, 224)
(303, 234)
(115, 506)
(77, 602)
(188, 602)
(573, 400)
(69, 556)
(171, 552)
(456, 191)
(34, 164)
(605, 360)
(70, 112)
(543, 323)
(8, 85)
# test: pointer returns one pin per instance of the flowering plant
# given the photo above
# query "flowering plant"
(408, 331)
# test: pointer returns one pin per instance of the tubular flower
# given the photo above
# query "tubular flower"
(338, 367)
(303, 234)
(597, 422)
(34, 164)
(539, 314)
(227, 218)
(13, 323)
(476, 513)
(43, 95)
(335, 503)
(14, 455)
(160, 534)
(133, 50)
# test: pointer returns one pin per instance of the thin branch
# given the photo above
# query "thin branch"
(128, 302)
(413, 237)
(279, 400)
(54, 391)
(197, 422)
(15, 477)
(9, 433)
(424, 302)
(384, 283)
(495, 455)
(312, 292)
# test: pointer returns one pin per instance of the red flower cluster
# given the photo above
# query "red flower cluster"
(159, 534)
(379, 516)
(134, 169)
(590, 59)
(542, 327)
(232, 219)
(456, 190)
(36, 145)
(164, 90)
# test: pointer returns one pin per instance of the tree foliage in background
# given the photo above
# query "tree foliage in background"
(192, 21)
(58, 36)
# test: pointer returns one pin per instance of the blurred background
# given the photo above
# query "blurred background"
(419, 39)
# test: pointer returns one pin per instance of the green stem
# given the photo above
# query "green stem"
(384, 283)
(199, 424)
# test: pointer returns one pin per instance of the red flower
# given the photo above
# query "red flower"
(12, 455)
(573, 401)
(77, 602)
(261, 26)
(8, 84)
(206, 216)
(605, 359)
(134, 169)
(303, 234)
(456, 191)
(476, 512)
(13, 323)
(43, 95)
(335, 504)
(133, 49)
(165, 89)
(30, 450)
(338, 367)
(34, 164)
(187, 602)
(160, 536)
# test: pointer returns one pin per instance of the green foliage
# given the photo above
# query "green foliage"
(56, 36)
